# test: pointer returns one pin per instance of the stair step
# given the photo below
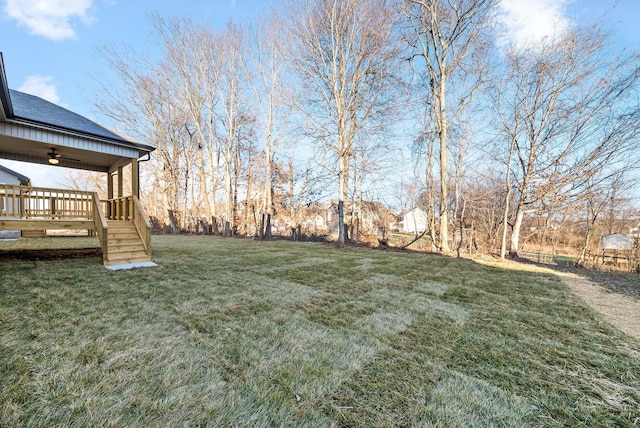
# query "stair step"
(121, 228)
(122, 232)
(124, 253)
(123, 241)
(128, 249)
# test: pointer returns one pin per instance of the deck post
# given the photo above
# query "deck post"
(121, 210)
(120, 183)
(135, 178)
(108, 212)
(109, 185)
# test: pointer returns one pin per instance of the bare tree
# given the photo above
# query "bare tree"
(345, 53)
(273, 103)
(600, 195)
(143, 105)
(190, 63)
(233, 113)
(192, 106)
(568, 109)
(448, 35)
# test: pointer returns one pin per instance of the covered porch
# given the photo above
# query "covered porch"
(37, 131)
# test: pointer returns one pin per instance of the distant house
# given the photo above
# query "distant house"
(13, 178)
(617, 241)
(413, 221)
(374, 217)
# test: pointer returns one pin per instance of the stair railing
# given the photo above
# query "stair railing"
(143, 225)
(101, 226)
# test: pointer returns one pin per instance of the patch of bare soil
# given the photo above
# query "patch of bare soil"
(47, 254)
(621, 311)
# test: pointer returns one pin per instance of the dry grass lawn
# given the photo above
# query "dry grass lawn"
(231, 332)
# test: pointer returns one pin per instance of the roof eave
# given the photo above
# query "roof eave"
(6, 108)
(124, 143)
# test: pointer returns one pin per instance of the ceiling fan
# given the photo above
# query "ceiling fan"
(54, 157)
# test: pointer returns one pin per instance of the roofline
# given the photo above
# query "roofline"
(74, 132)
(5, 100)
(23, 179)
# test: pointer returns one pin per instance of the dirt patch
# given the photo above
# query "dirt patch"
(621, 311)
(46, 254)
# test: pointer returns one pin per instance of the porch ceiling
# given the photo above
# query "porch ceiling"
(33, 151)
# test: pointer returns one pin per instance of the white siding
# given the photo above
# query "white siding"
(414, 221)
(69, 140)
(617, 241)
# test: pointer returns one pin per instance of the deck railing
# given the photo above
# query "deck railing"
(119, 208)
(26, 202)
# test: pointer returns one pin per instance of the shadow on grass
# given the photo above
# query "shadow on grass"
(626, 284)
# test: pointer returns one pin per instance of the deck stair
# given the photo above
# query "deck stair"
(124, 244)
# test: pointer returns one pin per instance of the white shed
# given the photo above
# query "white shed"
(617, 241)
(414, 221)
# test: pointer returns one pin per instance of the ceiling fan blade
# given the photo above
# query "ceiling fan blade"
(53, 154)
(69, 159)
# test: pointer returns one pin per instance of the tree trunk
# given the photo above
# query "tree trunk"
(267, 227)
(505, 224)
(214, 226)
(175, 226)
(515, 234)
(228, 187)
(341, 225)
(444, 161)
(507, 200)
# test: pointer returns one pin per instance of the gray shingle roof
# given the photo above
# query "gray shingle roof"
(36, 109)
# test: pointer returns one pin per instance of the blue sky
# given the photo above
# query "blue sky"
(50, 46)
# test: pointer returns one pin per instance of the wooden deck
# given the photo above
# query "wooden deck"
(121, 224)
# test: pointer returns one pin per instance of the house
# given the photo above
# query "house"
(37, 131)
(413, 221)
(617, 241)
(8, 176)
(374, 217)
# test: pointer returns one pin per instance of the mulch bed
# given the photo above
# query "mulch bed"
(47, 254)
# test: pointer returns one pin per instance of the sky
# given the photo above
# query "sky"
(50, 47)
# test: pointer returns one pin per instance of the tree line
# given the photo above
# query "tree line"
(413, 103)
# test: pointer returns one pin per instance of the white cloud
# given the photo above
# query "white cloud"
(49, 18)
(528, 22)
(41, 86)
